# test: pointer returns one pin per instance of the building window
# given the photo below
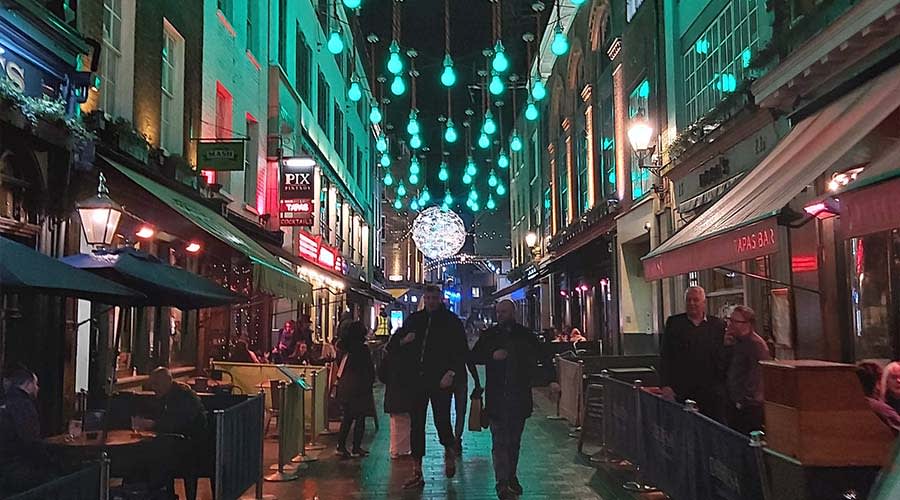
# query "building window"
(351, 236)
(252, 28)
(874, 267)
(224, 106)
(641, 182)
(606, 141)
(324, 107)
(251, 167)
(172, 85)
(351, 157)
(631, 8)
(582, 164)
(303, 58)
(324, 228)
(282, 34)
(717, 62)
(536, 158)
(338, 137)
(362, 168)
(227, 8)
(338, 222)
(562, 180)
(111, 55)
(323, 10)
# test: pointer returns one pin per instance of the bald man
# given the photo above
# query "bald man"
(509, 352)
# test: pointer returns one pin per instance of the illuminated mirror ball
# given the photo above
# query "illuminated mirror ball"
(439, 234)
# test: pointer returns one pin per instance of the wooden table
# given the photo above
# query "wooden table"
(114, 438)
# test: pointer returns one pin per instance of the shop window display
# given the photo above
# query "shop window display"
(874, 272)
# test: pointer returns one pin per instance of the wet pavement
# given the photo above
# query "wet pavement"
(549, 467)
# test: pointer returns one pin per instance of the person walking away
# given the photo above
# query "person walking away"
(510, 352)
(869, 375)
(460, 400)
(354, 389)
(692, 356)
(398, 373)
(744, 381)
(438, 340)
(24, 461)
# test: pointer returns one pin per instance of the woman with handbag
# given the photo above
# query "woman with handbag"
(353, 391)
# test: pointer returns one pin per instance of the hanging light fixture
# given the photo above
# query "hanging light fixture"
(414, 166)
(414, 204)
(424, 197)
(492, 179)
(443, 174)
(412, 126)
(354, 4)
(388, 179)
(538, 89)
(398, 204)
(471, 167)
(394, 64)
(448, 75)
(375, 115)
(335, 42)
(496, 86)
(503, 160)
(381, 143)
(491, 204)
(385, 160)
(577, 3)
(490, 126)
(401, 189)
(531, 111)
(515, 143)
(450, 134)
(355, 90)
(473, 194)
(500, 63)
(448, 198)
(413, 179)
(483, 141)
(99, 216)
(560, 44)
(467, 179)
(415, 142)
(398, 86)
(501, 189)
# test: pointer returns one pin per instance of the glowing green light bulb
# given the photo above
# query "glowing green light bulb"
(492, 180)
(501, 189)
(381, 144)
(448, 76)
(354, 4)
(354, 92)
(491, 204)
(483, 141)
(467, 179)
(448, 198)
(450, 135)
(414, 166)
(500, 62)
(473, 195)
(398, 86)
(375, 115)
(538, 89)
(531, 112)
(489, 127)
(425, 197)
(413, 179)
(388, 179)
(394, 64)
(401, 189)
(577, 3)
(560, 44)
(445, 207)
(385, 160)
(496, 86)
(415, 142)
(443, 174)
(335, 43)
(398, 204)
(503, 160)
(471, 168)
(412, 126)
(414, 204)
(515, 144)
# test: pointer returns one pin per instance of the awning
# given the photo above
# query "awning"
(23, 270)
(371, 292)
(164, 285)
(518, 285)
(872, 203)
(710, 195)
(741, 225)
(269, 274)
(397, 292)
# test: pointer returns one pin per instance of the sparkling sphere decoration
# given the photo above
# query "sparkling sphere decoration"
(438, 234)
(398, 86)
(531, 112)
(448, 76)
(354, 92)
(560, 44)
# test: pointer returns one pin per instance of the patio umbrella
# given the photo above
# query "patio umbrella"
(164, 285)
(23, 270)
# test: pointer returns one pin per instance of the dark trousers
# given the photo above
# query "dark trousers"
(359, 429)
(746, 419)
(506, 434)
(460, 399)
(440, 406)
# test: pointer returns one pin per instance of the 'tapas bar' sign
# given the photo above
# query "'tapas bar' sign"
(312, 249)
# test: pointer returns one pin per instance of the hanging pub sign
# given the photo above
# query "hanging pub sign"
(297, 178)
(221, 155)
(312, 249)
(296, 213)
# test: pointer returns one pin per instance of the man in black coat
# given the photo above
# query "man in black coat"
(438, 340)
(24, 461)
(693, 358)
(510, 353)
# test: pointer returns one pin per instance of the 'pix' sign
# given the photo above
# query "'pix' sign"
(297, 178)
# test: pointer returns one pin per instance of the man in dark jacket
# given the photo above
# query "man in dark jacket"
(24, 461)
(510, 353)
(692, 356)
(438, 340)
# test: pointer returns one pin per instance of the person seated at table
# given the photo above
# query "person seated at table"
(559, 336)
(24, 461)
(181, 413)
(301, 355)
(241, 353)
(870, 375)
(576, 336)
(890, 385)
(287, 342)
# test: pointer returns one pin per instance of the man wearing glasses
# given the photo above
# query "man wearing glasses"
(744, 381)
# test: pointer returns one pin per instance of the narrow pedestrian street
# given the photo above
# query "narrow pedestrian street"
(549, 467)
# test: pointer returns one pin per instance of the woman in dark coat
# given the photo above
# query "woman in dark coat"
(397, 372)
(354, 388)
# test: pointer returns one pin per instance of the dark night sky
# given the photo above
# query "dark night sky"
(422, 28)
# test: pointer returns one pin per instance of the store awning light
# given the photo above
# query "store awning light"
(145, 232)
(192, 247)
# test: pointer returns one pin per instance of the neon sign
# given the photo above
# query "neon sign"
(296, 213)
(312, 249)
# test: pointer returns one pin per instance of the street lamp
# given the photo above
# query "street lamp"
(531, 239)
(640, 135)
(99, 216)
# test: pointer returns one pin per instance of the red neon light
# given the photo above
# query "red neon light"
(209, 175)
(326, 257)
(307, 246)
(804, 263)
(312, 249)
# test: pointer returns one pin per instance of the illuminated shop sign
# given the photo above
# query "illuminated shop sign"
(311, 248)
(297, 175)
(296, 213)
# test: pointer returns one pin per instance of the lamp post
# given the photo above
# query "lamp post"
(531, 240)
(99, 216)
(640, 135)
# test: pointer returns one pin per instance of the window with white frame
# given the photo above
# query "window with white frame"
(111, 55)
(717, 62)
(172, 86)
(641, 182)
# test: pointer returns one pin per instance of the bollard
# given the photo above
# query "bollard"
(303, 457)
(558, 393)
(638, 485)
(104, 476)
(602, 456)
(258, 494)
(327, 430)
(757, 443)
(313, 445)
(282, 473)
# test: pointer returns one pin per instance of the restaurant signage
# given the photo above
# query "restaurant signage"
(297, 175)
(296, 213)
(221, 155)
(26, 73)
(312, 249)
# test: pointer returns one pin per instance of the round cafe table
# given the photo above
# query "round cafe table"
(113, 439)
(127, 451)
